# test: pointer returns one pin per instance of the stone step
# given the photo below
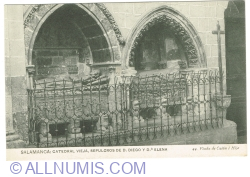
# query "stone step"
(10, 132)
(15, 144)
(12, 137)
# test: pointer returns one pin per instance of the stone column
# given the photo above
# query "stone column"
(112, 88)
(127, 77)
(112, 98)
(15, 77)
(103, 124)
(31, 71)
(44, 135)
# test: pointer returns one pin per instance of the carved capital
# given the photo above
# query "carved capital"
(182, 64)
(31, 70)
(222, 101)
(112, 69)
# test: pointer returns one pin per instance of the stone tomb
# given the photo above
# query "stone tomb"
(186, 99)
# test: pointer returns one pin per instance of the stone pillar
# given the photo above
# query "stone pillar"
(103, 124)
(113, 97)
(44, 135)
(222, 102)
(136, 119)
(111, 88)
(127, 77)
(15, 77)
(31, 71)
(74, 129)
(130, 71)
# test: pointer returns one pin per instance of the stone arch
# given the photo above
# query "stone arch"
(37, 15)
(181, 27)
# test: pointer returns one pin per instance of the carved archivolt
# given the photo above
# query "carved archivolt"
(101, 6)
(31, 13)
(179, 32)
(112, 22)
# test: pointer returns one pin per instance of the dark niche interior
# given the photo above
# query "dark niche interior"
(159, 49)
(67, 42)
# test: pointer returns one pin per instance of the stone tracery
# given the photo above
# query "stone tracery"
(175, 23)
(179, 31)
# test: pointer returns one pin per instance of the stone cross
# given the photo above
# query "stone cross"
(219, 32)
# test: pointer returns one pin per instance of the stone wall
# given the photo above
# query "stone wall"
(15, 73)
(54, 62)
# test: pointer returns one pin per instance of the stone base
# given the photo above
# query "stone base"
(129, 72)
(75, 130)
(45, 138)
(227, 134)
(74, 135)
(13, 141)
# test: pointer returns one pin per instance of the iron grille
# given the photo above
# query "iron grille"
(130, 110)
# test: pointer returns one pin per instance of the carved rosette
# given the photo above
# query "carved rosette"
(110, 18)
(180, 33)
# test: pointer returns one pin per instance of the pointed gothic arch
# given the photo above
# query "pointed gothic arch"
(36, 16)
(179, 25)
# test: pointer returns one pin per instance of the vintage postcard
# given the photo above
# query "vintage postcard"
(125, 80)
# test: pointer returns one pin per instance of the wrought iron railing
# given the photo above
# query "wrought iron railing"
(124, 111)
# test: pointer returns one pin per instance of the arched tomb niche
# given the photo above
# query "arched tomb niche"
(164, 39)
(71, 36)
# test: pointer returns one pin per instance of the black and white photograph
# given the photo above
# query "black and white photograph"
(97, 76)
